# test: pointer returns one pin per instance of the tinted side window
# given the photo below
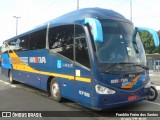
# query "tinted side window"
(14, 45)
(110, 27)
(24, 43)
(19, 44)
(61, 40)
(10, 45)
(37, 40)
(81, 47)
(4, 48)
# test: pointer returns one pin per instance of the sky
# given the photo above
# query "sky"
(145, 13)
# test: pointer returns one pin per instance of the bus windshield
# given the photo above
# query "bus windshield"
(119, 45)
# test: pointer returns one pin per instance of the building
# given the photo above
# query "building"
(153, 61)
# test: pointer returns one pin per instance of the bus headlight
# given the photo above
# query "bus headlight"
(103, 90)
(148, 85)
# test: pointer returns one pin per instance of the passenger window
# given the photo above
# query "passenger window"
(61, 40)
(14, 45)
(24, 42)
(37, 40)
(4, 48)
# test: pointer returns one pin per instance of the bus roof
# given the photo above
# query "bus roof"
(80, 14)
(77, 16)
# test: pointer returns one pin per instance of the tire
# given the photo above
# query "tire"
(55, 91)
(153, 94)
(11, 78)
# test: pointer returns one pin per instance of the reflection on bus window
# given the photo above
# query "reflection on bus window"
(37, 40)
(81, 47)
(61, 40)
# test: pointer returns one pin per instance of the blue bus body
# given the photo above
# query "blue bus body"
(101, 86)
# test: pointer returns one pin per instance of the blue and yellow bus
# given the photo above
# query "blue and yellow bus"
(92, 56)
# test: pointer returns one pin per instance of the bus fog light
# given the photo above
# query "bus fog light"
(103, 90)
(148, 85)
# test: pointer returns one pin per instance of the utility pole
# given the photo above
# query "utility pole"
(77, 4)
(16, 23)
(131, 10)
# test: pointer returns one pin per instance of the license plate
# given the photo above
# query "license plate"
(132, 97)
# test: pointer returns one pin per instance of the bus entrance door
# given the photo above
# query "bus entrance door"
(82, 72)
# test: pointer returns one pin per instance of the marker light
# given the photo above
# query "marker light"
(103, 90)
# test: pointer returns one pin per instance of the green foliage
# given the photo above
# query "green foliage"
(148, 42)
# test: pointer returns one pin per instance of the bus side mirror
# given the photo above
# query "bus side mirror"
(96, 29)
(152, 32)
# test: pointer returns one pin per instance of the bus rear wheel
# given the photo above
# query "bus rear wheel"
(55, 90)
(11, 78)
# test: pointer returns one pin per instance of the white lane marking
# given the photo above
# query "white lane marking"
(151, 74)
(1, 80)
(154, 75)
(157, 87)
(153, 102)
(7, 83)
(13, 86)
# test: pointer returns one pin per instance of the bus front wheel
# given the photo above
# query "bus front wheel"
(55, 90)
(153, 94)
(11, 78)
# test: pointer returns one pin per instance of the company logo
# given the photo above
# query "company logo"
(21, 114)
(6, 114)
(37, 60)
(131, 75)
(59, 63)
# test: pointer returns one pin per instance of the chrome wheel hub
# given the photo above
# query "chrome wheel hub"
(55, 89)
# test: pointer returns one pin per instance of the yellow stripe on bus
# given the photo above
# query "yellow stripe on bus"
(83, 79)
(18, 64)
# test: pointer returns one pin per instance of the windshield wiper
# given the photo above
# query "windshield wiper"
(109, 72)
(142, 66)
(109, 68)
(121, 66)
(115, 64)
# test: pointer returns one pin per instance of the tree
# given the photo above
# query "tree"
(148, 42)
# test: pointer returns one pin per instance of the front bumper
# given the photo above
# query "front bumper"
(119, 99)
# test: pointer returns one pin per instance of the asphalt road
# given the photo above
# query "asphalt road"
(21, 97)
(155, 77)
